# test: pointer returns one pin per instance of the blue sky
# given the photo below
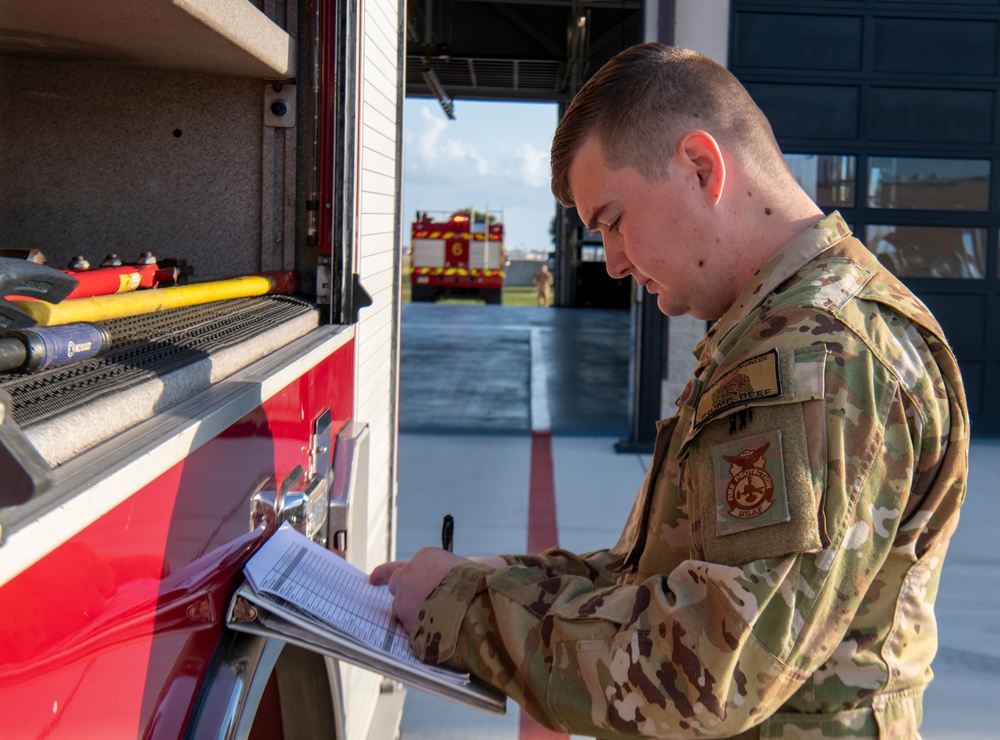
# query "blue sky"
(493, 155)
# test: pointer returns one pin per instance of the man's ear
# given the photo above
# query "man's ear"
(700, 151)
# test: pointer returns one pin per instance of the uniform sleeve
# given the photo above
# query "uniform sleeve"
(711, 648)
(597, 566)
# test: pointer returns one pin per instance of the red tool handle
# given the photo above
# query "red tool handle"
(111, 280)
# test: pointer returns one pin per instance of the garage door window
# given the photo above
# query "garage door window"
(929, 184)
(828, 178)
(930, 251)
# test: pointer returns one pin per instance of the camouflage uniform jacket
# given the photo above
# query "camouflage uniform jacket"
(777, 573)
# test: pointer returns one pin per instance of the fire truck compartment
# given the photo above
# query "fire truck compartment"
(428, 252)
(156, 361)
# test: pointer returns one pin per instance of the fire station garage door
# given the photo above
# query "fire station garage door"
(888, 112)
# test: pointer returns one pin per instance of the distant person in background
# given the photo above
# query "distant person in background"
(543, 285)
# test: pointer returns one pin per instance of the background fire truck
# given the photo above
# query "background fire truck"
(457, 256)
(235, 138)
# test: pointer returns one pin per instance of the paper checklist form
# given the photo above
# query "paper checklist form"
(301, 593)
(328, 588)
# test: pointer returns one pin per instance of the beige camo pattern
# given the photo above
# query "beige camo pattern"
(819, 627)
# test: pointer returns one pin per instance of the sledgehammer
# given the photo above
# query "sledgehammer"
(29, 279)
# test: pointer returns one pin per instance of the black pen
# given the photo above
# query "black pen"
(447, 532)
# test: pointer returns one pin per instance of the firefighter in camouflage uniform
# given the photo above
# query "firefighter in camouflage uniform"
(776, 577)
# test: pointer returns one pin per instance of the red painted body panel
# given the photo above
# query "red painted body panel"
(110, 634)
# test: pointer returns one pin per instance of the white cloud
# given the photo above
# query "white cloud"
(433, 151)
(532, 166)
(494, 156)
(427, 136)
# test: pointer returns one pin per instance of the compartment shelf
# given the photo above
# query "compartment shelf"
(226, 37)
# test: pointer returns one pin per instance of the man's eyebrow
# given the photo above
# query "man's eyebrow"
(595, 220)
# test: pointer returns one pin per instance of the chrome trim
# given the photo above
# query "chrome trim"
(321, 443)
(228, 704)
(230, 698)
(350, 472)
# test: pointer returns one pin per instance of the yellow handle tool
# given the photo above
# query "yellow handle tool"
(105, 308)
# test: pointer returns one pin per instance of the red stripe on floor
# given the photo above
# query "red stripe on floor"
(531, 730)
(543, 533)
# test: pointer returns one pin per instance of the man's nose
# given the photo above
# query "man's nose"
(615, 262)
(617, 274)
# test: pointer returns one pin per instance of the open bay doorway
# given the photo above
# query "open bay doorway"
(471, 184)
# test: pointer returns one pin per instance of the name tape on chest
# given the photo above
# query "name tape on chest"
(755, 379)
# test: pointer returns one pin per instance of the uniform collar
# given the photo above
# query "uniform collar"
(786, 262)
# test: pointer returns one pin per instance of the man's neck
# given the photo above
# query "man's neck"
(772, 223)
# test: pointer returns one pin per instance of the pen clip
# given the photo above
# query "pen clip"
(447, 532)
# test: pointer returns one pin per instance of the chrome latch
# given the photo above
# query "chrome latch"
(303, 498)
(302, 503)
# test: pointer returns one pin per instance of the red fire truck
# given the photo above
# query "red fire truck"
(457, 257)
(231, 137)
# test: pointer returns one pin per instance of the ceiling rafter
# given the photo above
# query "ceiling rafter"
(540, 50)
(527, 28)
(605, 4)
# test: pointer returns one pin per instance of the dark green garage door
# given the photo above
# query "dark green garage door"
(888, 112)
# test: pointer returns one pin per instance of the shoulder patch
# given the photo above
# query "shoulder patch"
(750, 489)
(752, 380)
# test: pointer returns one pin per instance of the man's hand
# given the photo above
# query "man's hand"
(412, 582)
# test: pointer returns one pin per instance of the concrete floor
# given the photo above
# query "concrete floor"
(465, 450)
(482, 481)
(467, 367)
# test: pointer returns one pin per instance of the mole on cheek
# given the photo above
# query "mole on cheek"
(767, 211)
(701, 263)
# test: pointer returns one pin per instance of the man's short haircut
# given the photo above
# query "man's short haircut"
(643, 100)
